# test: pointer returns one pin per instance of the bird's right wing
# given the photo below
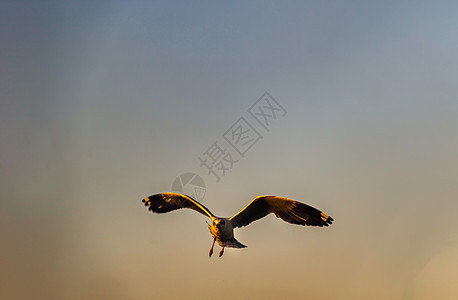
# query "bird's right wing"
(165, 202)
(288, 210)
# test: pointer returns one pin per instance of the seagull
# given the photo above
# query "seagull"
(222, 229)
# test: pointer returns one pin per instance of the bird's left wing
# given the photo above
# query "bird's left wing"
(288, 210)
(165, 202)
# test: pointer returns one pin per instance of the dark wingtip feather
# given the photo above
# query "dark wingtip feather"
(156, 203)
(169, 201)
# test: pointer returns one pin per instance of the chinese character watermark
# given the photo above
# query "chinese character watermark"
(242, 136)
(217, 161)
(221, 156)
(266, 110)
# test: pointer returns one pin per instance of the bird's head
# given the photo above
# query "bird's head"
(219, 223)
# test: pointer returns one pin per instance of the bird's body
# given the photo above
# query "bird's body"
(222, 229)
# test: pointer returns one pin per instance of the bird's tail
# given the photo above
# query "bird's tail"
(233, 243)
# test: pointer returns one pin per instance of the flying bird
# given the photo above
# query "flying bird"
(222, 229)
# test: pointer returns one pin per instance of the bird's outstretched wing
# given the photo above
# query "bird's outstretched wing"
(165, 202)
(288, 210)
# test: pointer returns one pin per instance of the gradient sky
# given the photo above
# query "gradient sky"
(106, 102)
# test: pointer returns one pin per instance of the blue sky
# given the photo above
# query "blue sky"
(104, 103)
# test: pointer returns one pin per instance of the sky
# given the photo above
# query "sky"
(106, 102)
